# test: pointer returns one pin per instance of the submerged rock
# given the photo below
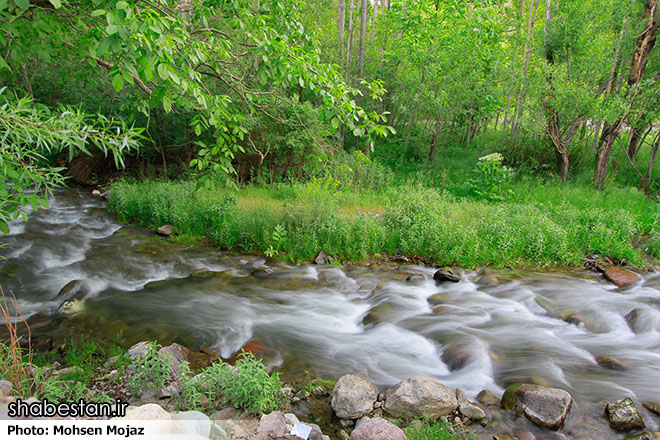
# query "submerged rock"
(420, 397)
(353, 396)
(620, 277)
(456, 356)
(623, 415)
(546, 407)
(654, 407)
(488, 398)
(611, 363)
(646, 435)
(447, 274)
(377, 429)
(642, 320)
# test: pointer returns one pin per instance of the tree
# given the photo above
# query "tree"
(221, 63)
(644, 46)
(29, 132)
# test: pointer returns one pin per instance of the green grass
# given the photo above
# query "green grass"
(540, 224)
(434, 430)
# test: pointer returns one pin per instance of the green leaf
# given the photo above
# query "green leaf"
(162, 71)
(3, 4)
(23, 4)
(4, 227)
(98, 12)
(112, 29)
(118, 82)
(167, 103)
(335, 123)
(56, 3)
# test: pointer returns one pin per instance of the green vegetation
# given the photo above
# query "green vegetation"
(435, 430)
(150, 372)
(536, 225)
(246, 385)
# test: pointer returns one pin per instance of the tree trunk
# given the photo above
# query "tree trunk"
(649, 173)
(520, 100)
(434, 143)
(347, 62)
(363, 37)
(373, 22)
(643, 48)
(341, 23)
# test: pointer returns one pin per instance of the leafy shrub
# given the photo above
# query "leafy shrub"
(247, 385)
(151, 372)
(490, 177)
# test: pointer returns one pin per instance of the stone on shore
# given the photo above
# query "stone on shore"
(353, 396)
(165, 230)
(377, 429)
(420, 397)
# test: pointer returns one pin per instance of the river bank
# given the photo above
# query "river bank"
(492, 329)
(538, 227)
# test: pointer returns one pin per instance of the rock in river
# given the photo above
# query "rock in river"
(546, 407)
(623, 415)
(447, 274)
(620, 277)
(420, 397)
(654, 407)
(353, 396)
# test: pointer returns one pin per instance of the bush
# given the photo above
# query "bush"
(435, 430)
(151, 372)
(246, 385)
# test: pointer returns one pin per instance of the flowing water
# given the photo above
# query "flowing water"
(492, 329)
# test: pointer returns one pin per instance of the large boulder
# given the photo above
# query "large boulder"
(620, 277)
(420, 397)
(447, 274)
(139, 350)
(377, 429)
(353, 396)
(623, 415)
(546, 407)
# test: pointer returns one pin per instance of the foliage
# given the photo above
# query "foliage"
(490, 177)
(150, 372)
(247, 385)
(435, 430)
(29, 132)
(540, 225)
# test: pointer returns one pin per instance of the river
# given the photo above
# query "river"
(493, 328)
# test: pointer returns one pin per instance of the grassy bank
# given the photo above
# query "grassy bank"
(537, 225)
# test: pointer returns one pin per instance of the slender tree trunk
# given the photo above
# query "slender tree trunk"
(347, 63)
(434, 144)
(341, 24)
(649, 173)
(373, 22)
(643, 48)
(520, 100)
(363, 37)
